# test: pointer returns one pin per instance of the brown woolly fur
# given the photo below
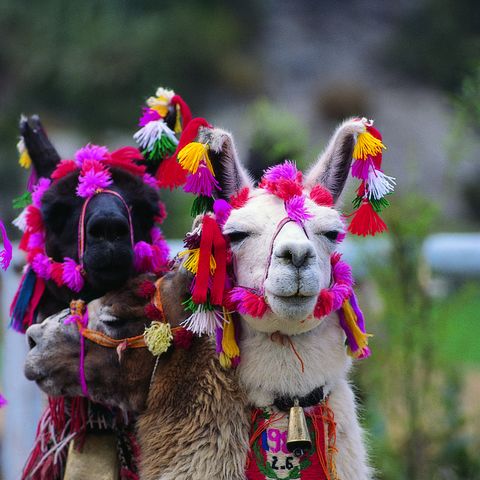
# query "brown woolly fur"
(196, 424)
(193, 423)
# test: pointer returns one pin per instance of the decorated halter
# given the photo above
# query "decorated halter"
(92, 164)
(215, 296)
(158, 337)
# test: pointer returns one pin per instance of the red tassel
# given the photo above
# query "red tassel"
(171, 174)
(124, 158)
(366, 221)
(146, 289)
(184, 109)
(34, 219)
(23, 245)
(64, 168)
(32, 307)
(324, 304)
(220, 252)
(199, 294)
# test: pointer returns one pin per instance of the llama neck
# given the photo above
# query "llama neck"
(271, 368)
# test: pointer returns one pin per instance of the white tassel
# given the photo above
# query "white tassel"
(203, 322)
(21, 221)
(153, 131)
(379, 184)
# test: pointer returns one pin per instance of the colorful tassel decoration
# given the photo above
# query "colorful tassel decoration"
(205, 320)
(158, 337)
(6, 253)
(351, 320)
(375, 185)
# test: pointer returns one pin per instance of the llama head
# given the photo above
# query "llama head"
(113, 379)
(113, 223)
(283, 233)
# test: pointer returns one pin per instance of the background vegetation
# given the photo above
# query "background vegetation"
(87, 67)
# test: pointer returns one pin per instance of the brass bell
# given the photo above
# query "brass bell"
(298, 437)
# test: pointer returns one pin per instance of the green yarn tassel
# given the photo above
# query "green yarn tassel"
(22, 201)
(201, 205)
(161, 148)
(378, 205)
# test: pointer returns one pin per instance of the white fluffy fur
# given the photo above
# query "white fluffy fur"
(269, 368)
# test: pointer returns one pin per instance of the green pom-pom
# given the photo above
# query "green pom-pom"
(201, 205)
(22, 201)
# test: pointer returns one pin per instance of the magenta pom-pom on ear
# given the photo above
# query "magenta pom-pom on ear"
(248, 302)
(72, 275)
(296, 209)
(40, 188)
(93, 177)
(286, 171)
(90, 152)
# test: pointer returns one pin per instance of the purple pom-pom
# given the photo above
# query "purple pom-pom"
(42, 266)
(287, 170)
(297, 210)
(40, 188)
(90, 152)
(94, 176)
(72, 275)
(148, 115)
(222, 210)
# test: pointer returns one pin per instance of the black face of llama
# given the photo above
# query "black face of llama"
(90, 226)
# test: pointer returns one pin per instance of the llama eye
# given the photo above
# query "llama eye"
(237, 237)
(331, 235)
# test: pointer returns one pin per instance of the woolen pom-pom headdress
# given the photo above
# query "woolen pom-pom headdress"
(205, 252)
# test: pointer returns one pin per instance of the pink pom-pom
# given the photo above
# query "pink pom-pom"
(94, 176)
(286, 171)
(40, 188)
(36, 240)
(297, 210)
(340, 292)
(143, 256)
(72, 275)
(222, 210)
(42, 266)
(150, 180)
(247, 302)
(90, 152)
(342, 273)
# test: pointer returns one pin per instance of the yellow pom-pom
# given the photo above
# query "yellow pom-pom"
(192, 154)
(158, 337)
(24, 160)
(229, 344)
(367, 145)
(191, 264)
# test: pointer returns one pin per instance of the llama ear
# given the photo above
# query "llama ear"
(43, 154)
(229, 172)
(332, 167)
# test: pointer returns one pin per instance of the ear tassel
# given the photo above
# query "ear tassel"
(374, 187)
(24, 159)
(227, 346)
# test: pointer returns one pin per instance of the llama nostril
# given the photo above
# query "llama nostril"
(296, 254)
(108, 228)
(31, 342)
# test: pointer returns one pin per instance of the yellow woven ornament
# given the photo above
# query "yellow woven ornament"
(158, 337)
(191, 264)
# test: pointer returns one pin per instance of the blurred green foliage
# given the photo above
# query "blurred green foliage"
(413, 385)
